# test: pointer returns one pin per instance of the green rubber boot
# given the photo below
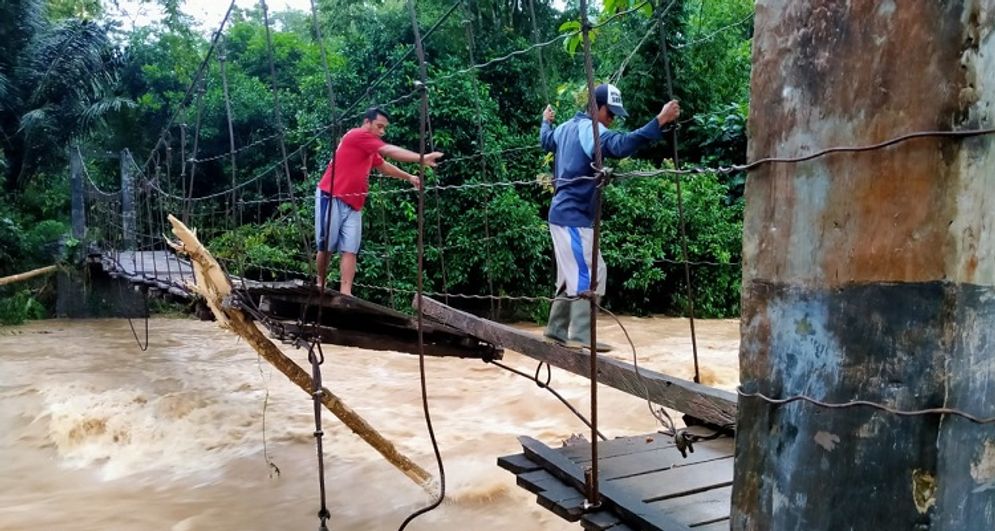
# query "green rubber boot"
(580, 327)
(559, 321)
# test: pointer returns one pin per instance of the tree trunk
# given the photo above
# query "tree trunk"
(214, 286)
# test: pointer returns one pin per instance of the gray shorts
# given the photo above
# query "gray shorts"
(345, 224)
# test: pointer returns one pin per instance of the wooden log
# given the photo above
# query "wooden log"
(21, 277)
(214, 286)
(700, 401)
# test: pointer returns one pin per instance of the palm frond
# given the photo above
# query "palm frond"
(5, 92)
(94, 114)
(37, 121)
(66, 58)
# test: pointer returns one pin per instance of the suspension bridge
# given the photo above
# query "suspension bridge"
(672, 478)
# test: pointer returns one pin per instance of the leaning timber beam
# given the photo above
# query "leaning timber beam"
(711, 405)
(13, 279)
(214, 286)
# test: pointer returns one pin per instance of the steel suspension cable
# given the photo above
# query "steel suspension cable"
(376, 83)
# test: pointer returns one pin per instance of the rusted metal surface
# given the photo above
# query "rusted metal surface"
(869, 276)
(832, 73)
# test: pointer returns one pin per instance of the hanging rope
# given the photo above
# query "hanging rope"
(535, 42)
(481, 138)
(196, 146)
(222, 61)
(423, 124)
(196, 79)
(680, 200)
(277, 114)
(438, 215)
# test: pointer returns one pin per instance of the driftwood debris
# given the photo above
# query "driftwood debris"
(13, 279)
(214, 286)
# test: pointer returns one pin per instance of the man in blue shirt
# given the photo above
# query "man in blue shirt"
(571, 215)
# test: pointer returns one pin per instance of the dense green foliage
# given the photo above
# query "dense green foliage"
(118, 89)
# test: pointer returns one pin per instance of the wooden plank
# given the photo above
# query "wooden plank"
(537, 481)
(599, 521)
(631, 465)
(631, 508)
(700, 401)
(517, 463)
(581, 452)
(680, 481)
(563, 501)
(700, 507)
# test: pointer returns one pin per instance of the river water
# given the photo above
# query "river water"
(97, 435)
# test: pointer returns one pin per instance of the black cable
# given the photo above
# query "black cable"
(317, 392)
(680, 201)
(865, 403)
(545, 385)
(421, 273)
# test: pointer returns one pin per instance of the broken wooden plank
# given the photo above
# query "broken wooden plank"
(631, 508)
(700, 401)
(517, 464)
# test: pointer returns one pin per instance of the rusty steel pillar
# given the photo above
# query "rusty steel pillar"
(869, 276)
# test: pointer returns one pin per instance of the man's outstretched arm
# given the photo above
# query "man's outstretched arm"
(403, 155)
(390, 170)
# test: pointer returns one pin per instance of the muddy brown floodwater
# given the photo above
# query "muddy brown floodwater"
(98, 435)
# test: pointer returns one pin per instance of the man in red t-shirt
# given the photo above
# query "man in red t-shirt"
(341, 193)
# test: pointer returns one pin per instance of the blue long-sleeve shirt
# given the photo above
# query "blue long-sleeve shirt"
(572, 142)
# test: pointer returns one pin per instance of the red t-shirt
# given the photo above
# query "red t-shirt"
(356, 155)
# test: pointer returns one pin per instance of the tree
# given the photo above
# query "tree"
(57, 83)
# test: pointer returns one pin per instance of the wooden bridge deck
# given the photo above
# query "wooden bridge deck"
(292, 309)
(645, 483)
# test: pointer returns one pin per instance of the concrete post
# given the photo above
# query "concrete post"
(869, 276)
(127, 200)
(78, 203)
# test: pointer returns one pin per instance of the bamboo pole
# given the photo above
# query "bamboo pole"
(214, 286)
(13, 279)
